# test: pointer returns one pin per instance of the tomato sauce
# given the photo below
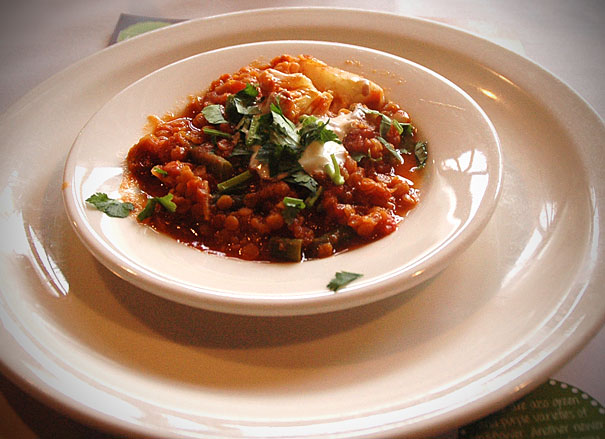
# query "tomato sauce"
(275, 210)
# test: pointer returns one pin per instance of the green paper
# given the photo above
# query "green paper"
(140, 28)
(554, 410)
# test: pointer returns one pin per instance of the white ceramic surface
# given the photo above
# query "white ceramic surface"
(458, 196)
(523, 298)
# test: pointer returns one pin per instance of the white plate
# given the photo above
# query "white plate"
(523, 298)
(459, 192)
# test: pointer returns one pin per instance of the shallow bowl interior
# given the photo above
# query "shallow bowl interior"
(458, 194)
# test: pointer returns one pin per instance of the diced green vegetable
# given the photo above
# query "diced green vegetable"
(286, 249)
(167, 203)
(218, 166)
(109, 206)
(294, 202)
(253, 134)
(421, 152)
(341, 279)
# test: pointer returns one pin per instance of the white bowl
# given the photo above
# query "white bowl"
(459, 192)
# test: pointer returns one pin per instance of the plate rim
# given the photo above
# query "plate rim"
(547, 365)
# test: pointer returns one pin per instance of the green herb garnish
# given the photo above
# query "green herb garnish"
(386, 122)
(214, 114)
(300, 178)
(284, 131)
(341, 279)
(216, 133)
(313, 129)
(234, 181)
(158, 170)
(109, 206)
(394, 153)
(165, 201)
(312, 199)
(333, 171)
(292, 207)
(242, 103)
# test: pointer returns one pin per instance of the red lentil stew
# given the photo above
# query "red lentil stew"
(281, 161)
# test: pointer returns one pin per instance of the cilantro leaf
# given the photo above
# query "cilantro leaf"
(284, 131)
(109, 206)
(213, 114)
(292, 207)
(386, 122)
(312, 199)
(249, 93)
(341, 279)
(165, 201)
(300, 178)
(216, 133)
(265, 152)
(313, 129)
(240, 150)
(242, 103)
(396, 154)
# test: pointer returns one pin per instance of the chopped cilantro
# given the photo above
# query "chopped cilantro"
(249, 92)
(312, 199)
(165, 201)
(301, 178)
(216, 133)
(341, 279)
(396, 154)
(292, 207)
(265, 152)
(284, 132)
(214, 115)
(109, 206)
(357, 156)
(158, 170)
(386, 122)
(240, 150)
(334, 171)
(313, 129)
(242, 103)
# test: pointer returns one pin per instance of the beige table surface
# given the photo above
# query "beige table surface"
(40, 38)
